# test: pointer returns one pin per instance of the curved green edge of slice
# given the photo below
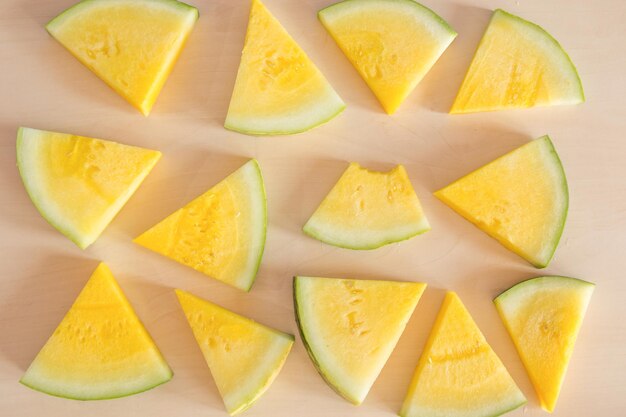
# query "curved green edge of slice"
(77, 8)
(112, 397)
(232, 127)
(563, 217)
(312, 355)
(262, 197)
(312, 233)
(538, 280)
(420, 8)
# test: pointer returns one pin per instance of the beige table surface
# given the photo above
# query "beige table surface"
(42, 86)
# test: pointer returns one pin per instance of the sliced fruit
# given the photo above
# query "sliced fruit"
(391, 43)
(278, 90)
(244, 356)
(458, 374)
(543, 316)
(221, 233)
(367, 209)
(131, 45)
(350, 327)
(79, 184)
(100, 350)
(517, 65)
(520, 199)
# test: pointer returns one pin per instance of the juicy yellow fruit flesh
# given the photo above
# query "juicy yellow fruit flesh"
(132, 45)
(79, 184)
(368, 209)
(278, 89)
(520, 199)
(221, 233)
(543, 316)
(517, 65)
(350, 327)
(458, 373)
(244, 356)
(100, 350)
(391, 43)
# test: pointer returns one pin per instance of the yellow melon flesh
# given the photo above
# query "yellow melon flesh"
(517, 65)
(368, 209)
(543, 316)
(132, 45)
(458, 374)
(244, 356)
(391, 43)
(520, 199)
(100, 350)
(350, 327)
(278, 89)
(79, 184)
(221, 233)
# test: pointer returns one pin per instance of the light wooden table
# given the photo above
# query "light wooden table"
(42, 86)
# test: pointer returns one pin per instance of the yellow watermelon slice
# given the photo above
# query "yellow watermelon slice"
(391, 43)
(278, 90)
(458, 374)
(520, 199)
(132, 45)
(350, 327)
(79, 184)
(367, 209)
(543, 316)
(100, 350)
(221, 233)
(517, 65)
(244, 356)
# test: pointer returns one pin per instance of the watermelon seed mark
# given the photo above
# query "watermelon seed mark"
(355, 301)
(353, 323)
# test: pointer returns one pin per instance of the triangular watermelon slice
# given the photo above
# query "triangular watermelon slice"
(391, 43)
(100, 349)
(368, 209)
(79, 184)
(350, 327)
(517, 65)
(521, 199)
(278, 89)
(458, 374)
(221, 233)
(132, 45)
(543, 316)
(244, 356)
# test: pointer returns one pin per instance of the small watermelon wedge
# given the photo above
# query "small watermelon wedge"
(132, 45)
(79, 184)
(278, 91)
(543, 316)
(391, 43)
(520, 199)
(517, 65)
(244, 356)
(458, 374)
(100, 349)
(221, 233)
(368, 209)
(350, 327)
